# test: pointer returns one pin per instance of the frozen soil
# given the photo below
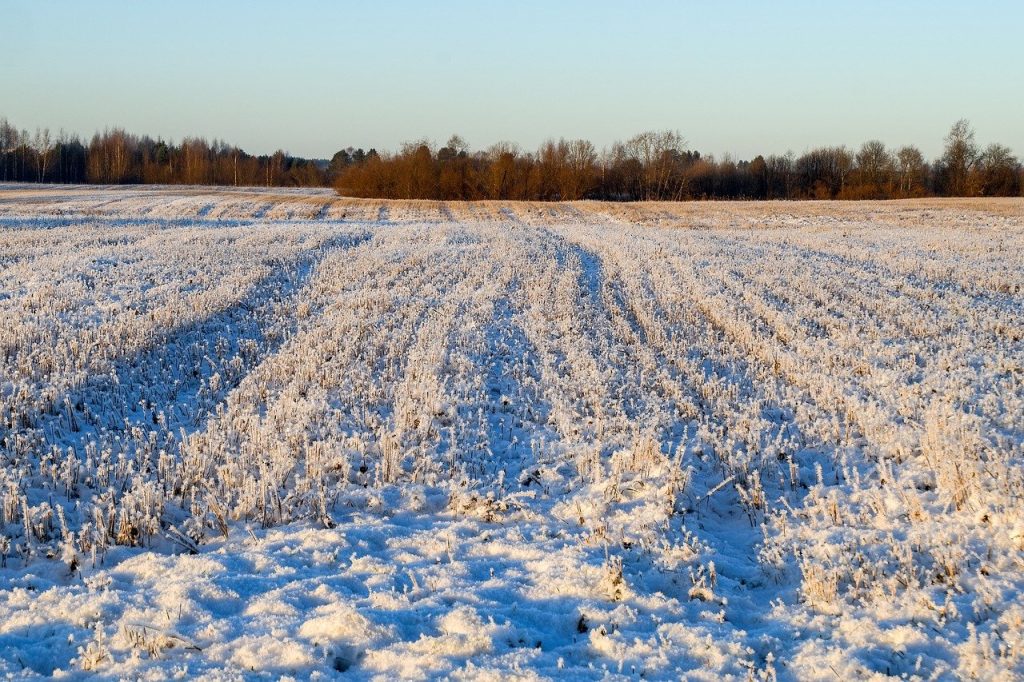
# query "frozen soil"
(253, 434)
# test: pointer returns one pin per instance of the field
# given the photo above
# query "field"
(281, 433)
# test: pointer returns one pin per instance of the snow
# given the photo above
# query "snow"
(270, 434)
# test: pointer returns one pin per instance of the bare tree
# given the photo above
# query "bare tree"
(958, 160)
(874, 169)
(911, 170)
(8, 140)
(823, 171)
(580, 169)
(457, 145)
(502, 157)
(660, 155)
(998, 171)
(42, 144)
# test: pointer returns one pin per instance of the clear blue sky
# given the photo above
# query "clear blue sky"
(313, 77)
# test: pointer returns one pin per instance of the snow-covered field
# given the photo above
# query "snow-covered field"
(278, 433)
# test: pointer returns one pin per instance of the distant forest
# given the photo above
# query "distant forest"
(648, 166)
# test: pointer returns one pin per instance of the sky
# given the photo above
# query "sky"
(313, 77)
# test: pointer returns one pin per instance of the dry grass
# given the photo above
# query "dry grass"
(322, 203)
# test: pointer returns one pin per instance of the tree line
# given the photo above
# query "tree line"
(649, 166)
(118, 157)
(659, 166)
